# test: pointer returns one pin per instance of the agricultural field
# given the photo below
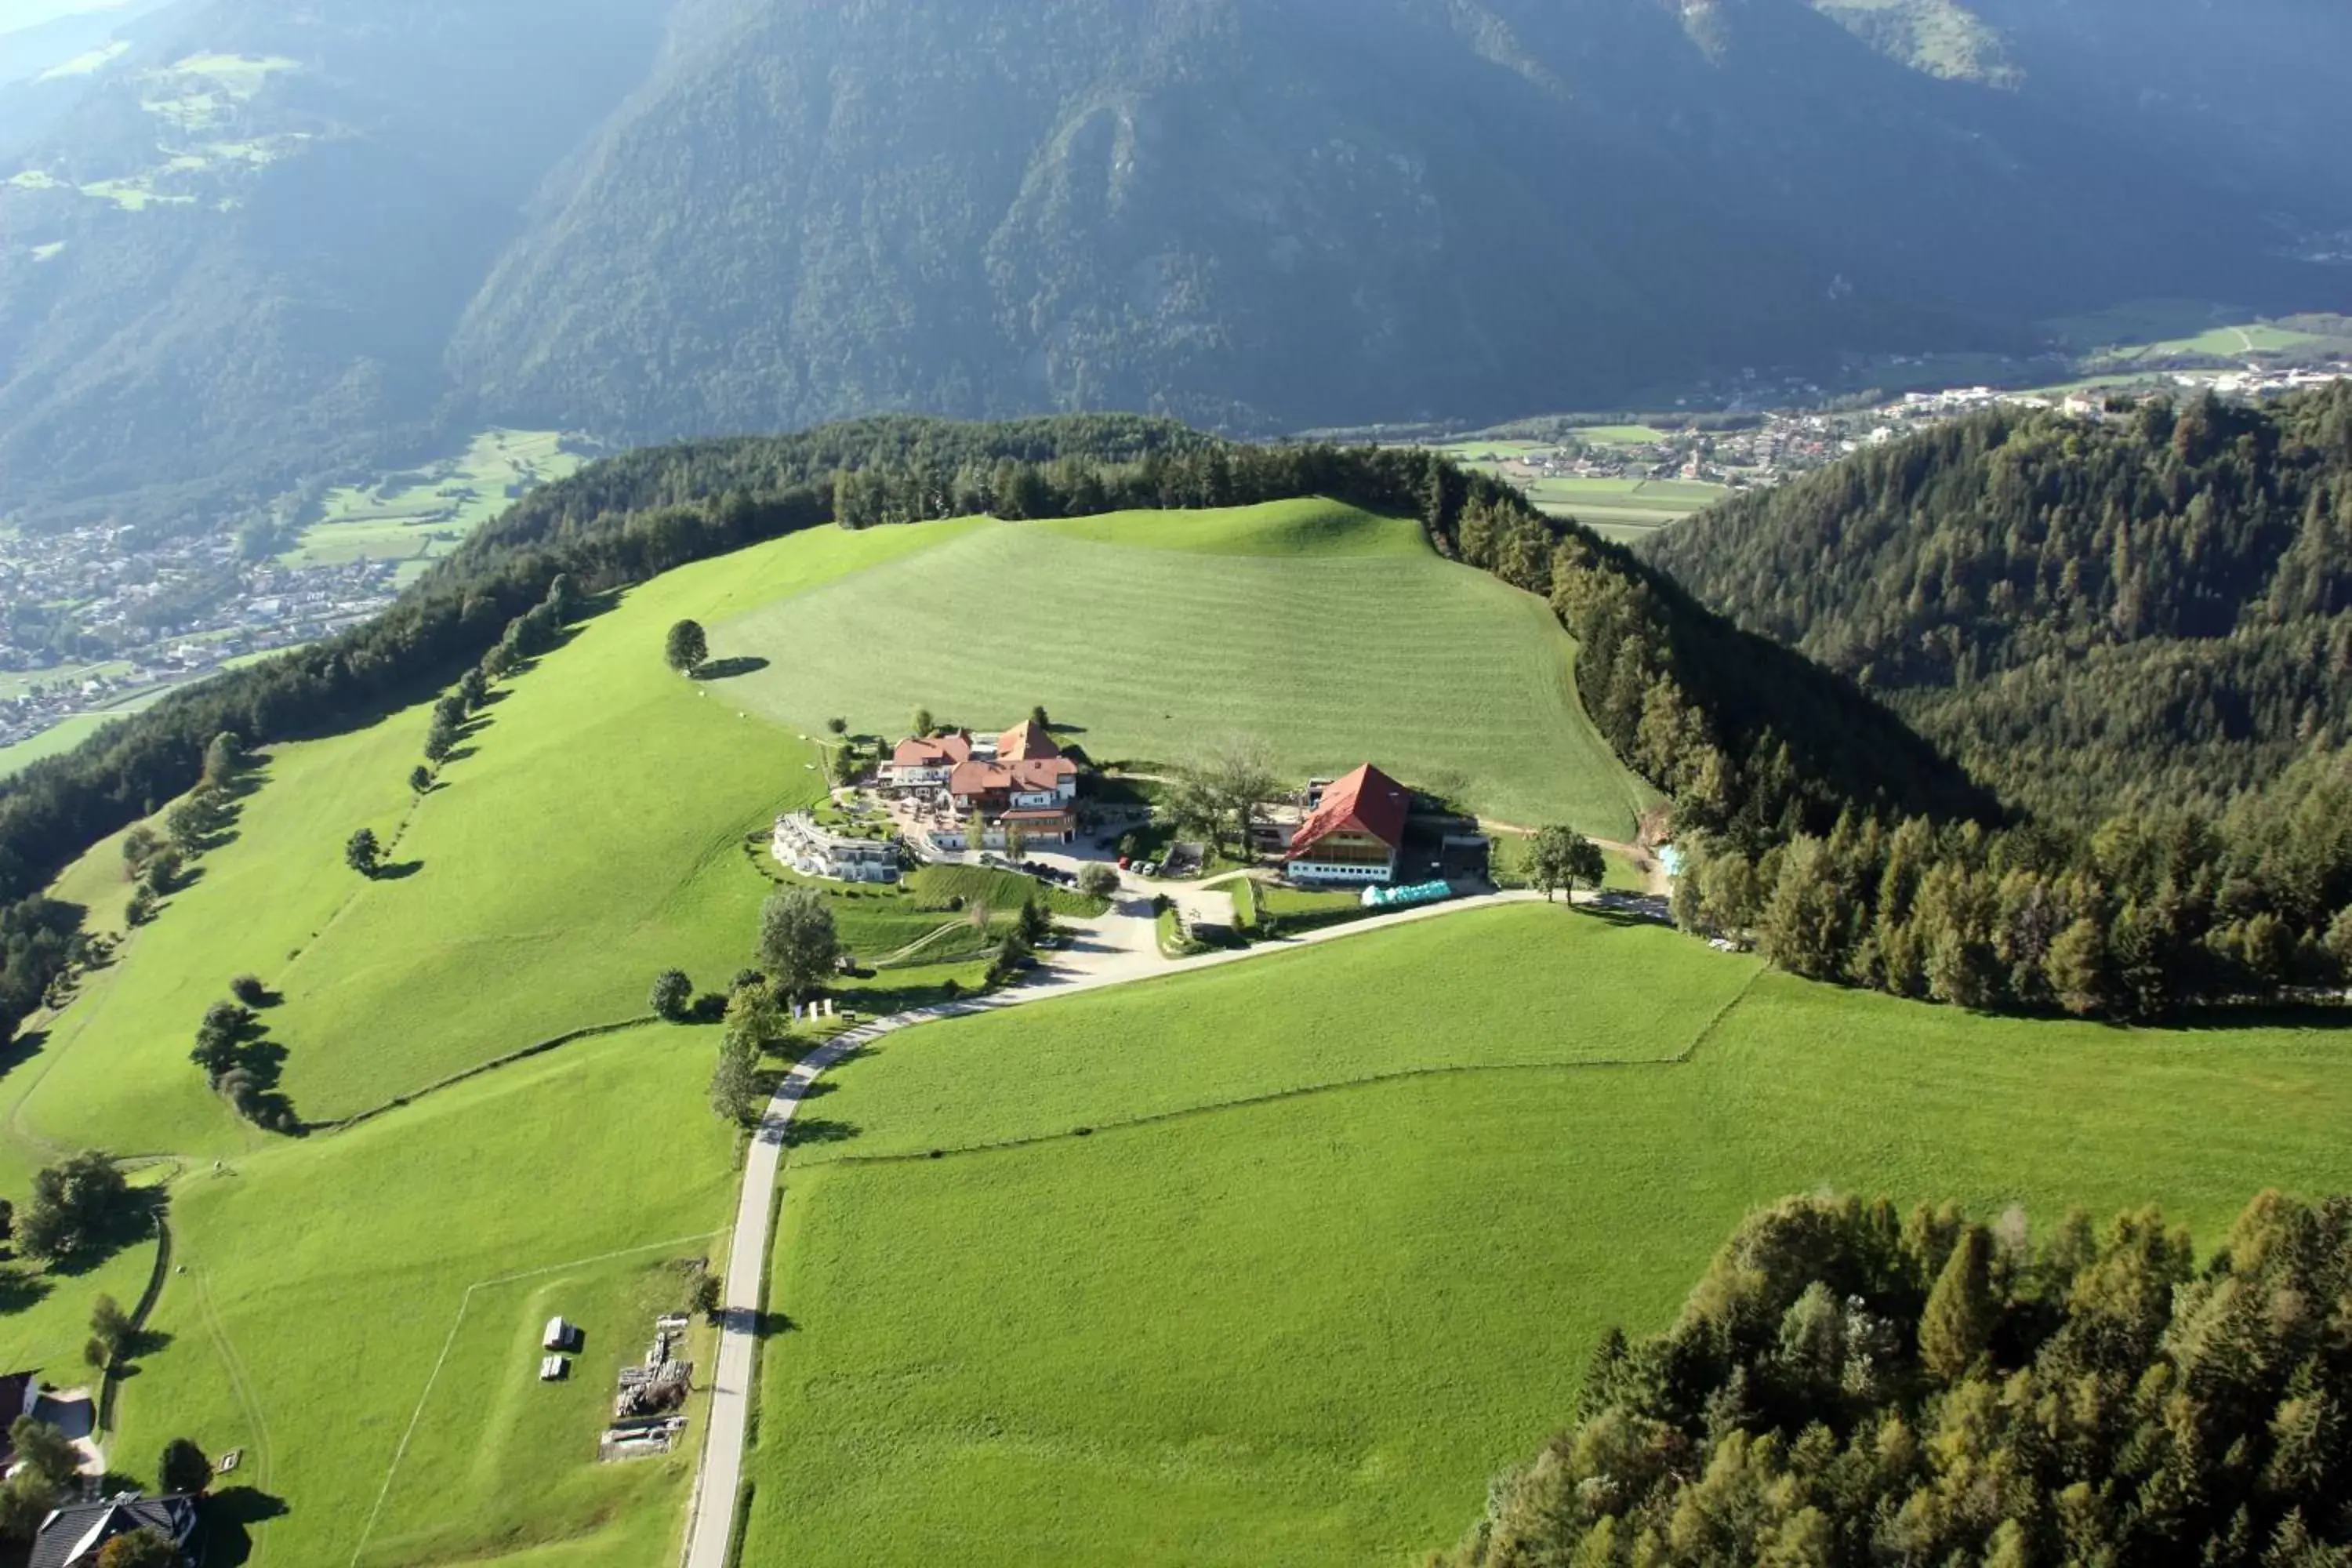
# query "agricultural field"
(56, 740)
(1335, 635)
(2165, 328)
(416, 516)
(1626, 510)
(1324, 1242)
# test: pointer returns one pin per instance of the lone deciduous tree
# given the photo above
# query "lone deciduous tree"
(1561, 857)
(26, 1499)
(798, 945)
(734, 1081)
(687, 648)
(672, 990)
(43, 1447)
(185, 1467)
(110, 1333)
(362, 854)
(1220, 788)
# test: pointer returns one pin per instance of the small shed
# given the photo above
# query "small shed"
(561, 1335)
(553, 1368)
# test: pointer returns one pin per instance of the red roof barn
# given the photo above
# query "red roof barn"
(1355, 830)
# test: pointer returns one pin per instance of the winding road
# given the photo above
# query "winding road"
(1115, 949)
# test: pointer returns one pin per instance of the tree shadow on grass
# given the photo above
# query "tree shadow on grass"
(398, 871)
(805, 1129)
(20, 1288)
(143, 1343)
(22, 1049)
(757, 1324)
(134, 1221)
(729, 668)
(229, 1516)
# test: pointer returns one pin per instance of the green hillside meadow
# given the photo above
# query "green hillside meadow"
(1336, 636)
(1242, 1320)
(1340, 1225)
(589, 832)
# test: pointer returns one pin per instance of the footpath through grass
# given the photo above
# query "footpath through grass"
(1336, 637)
(1308, 1329)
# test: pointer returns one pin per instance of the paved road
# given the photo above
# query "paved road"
(1115, 949)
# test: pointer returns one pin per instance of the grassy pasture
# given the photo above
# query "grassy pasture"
(419, 515)
(567, 852)
(1360, 1008)
(2164, 329)
(530, 1459)
(1428, 668)
(1626, 510)
(1308, 1328)
(54, 741)
(1280, 528)
(325, 1278)
(629, 863)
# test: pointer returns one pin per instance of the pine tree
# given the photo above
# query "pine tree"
(1961, 1312)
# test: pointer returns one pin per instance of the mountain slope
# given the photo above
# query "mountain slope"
(240, 253)
(2159, 604)
(273, 237)
(1281, 212)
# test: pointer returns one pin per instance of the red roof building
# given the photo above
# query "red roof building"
(922, 751)
(1355, 831)
(1025, 741)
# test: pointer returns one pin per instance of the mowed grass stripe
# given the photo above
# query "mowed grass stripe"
(1308, 1330)
(1435, 670)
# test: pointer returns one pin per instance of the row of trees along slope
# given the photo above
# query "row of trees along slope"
(2140, 630)
(1750, 739)
(1849, 1386)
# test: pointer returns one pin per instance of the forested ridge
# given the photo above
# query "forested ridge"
(1846, 1385)
(1813, 819)
(1753, 741)
(2154, 609)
